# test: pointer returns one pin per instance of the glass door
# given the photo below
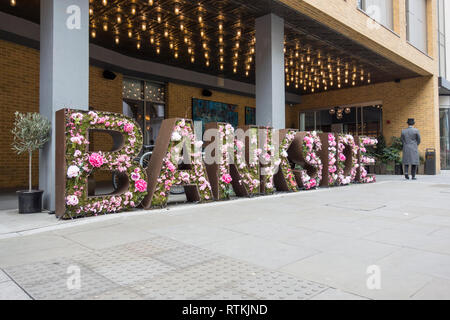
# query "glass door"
(444, 123)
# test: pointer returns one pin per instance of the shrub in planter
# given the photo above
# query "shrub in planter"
(31, 131)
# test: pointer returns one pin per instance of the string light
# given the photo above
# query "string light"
(305, 67)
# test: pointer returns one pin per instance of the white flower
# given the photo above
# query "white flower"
(72, 200)
(284, 154)
(176, 136)
(73, 171)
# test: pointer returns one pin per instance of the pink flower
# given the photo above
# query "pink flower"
(135, 176)
(128, 127)
(170, 166)
(96, 160)
(226, 178)
(140, 185)
(77, 153)
(72, 200)
(341, 157)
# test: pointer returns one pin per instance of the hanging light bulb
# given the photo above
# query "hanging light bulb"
(138, 45)
(234, 70)
(200, 19)
(347, 110)
(150, 2)
(104, 2)
(207, 63)
(144, 26)
(91, 9)
(158, 18)
(221, 67)
(133, 9)
(130, 33)
(117, 39)
(176, 54)
(239, 33)
(119, 18)
(93, 33)
(152, 39)
(192, 59)
(105, 26)
(158, 50)
(177, 9)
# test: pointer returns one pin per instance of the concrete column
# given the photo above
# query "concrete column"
(270, 84)
(64, 74)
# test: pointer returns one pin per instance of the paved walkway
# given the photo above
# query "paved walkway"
(309, 245)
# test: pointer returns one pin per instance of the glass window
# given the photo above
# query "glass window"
(416, 23)
(352, 120)
(444, 122)
(145, 102)
(379, 10)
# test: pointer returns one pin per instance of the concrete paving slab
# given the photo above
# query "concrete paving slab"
(196, 234)
(10, 291)
(436, 289)
(336, 294)
(109, 236)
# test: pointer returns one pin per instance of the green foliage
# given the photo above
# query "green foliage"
(386, 154)
(31, 131)
(396, 143)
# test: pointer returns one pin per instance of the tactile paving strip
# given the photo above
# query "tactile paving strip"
(186, 256)
(158, 268)
(278, 286)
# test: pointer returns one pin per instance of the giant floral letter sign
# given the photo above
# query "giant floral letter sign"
(284, 178)
(304, 151)
(268, 159)
(328, 155)
(74, 163)
(176, 146)
(245, 171)
(219, 153)
(365, 160)
(347, 158)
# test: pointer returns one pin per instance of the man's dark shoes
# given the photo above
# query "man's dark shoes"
(406, 176)
(414, 178)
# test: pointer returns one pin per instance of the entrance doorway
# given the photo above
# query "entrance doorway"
(444, 123)
(360, 120)
(144, 101)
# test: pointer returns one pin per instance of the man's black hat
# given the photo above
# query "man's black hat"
(411, 121)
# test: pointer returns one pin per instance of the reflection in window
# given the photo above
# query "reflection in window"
(145, 102)
(351, 120)
(379, 10)
(416, 23)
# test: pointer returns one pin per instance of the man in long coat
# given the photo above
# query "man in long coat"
(410, 140)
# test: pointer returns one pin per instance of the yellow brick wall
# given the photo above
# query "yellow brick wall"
(413, 98)
(19, 91)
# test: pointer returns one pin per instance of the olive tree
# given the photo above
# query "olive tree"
(31, 131)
